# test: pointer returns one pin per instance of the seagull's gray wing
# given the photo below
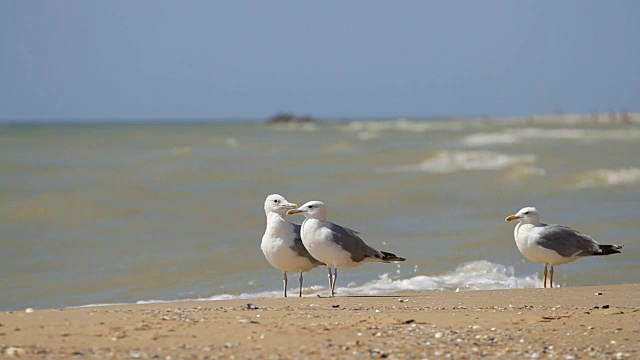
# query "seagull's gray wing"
(566, 241)
(352, 243)
(299, 248)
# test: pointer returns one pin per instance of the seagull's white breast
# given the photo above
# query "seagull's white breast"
(317, 239)
(276, 247)
(526, 236)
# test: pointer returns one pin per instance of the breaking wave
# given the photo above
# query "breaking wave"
(451, 161)
(607, 177)
(403, 125)
(474, 275)
(513, 136)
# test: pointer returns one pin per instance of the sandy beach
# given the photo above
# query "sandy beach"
(568, 323)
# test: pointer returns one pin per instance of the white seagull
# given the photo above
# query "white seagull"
(281, 243)
(553, 244)
(333, 244)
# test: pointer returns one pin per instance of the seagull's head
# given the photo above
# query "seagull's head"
(311, 210)
(526, 215)
(276, 203)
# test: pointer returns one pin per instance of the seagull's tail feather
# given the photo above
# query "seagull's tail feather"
(609, 249)
(387, 257)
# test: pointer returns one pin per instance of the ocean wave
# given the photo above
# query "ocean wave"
(402, 125)
(606, 177)
(541, 133)
(512, 136)
(474, 275)
(294, 126)
(483, 139)
(451, 161)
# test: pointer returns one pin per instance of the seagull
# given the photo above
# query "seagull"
(281, 243)
(553, 244)
(335, 245)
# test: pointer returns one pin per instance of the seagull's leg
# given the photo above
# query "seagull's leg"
(330, 280)
(545, 276)
(551, 280)
(300, 283)
(284, 280)
(335, 277)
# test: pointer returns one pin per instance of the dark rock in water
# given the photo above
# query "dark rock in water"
(284, 117)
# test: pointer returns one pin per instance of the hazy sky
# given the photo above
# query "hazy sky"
(162, 59)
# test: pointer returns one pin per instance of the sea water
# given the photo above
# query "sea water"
(95, 213)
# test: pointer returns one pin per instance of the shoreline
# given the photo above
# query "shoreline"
(571, 322)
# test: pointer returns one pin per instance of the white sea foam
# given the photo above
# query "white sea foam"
(512, 136)
(452, 161)
(474, 275)
(232, 142)
(483, 139)
(367, 135)
(607, 177)
(550, 133)
(403, 125)
(294, 126)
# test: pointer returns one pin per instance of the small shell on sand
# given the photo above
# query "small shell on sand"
(14, 351)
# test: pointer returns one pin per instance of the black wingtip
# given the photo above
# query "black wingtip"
(387, 256)
(610, 249)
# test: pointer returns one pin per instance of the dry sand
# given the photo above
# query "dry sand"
(600, 322)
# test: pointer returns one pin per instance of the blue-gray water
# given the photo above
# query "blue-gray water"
(109, 213)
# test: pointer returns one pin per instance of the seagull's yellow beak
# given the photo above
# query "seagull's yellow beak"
(294, 211)
(511, 218)
(292, 206)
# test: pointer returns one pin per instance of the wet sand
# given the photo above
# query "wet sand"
(601, 322)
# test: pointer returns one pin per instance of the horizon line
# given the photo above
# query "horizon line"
(265, 119)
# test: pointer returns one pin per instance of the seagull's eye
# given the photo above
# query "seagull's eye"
(527, 213)
(276, 201)
(310, 206)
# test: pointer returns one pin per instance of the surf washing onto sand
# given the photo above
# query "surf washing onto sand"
(476, 275)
